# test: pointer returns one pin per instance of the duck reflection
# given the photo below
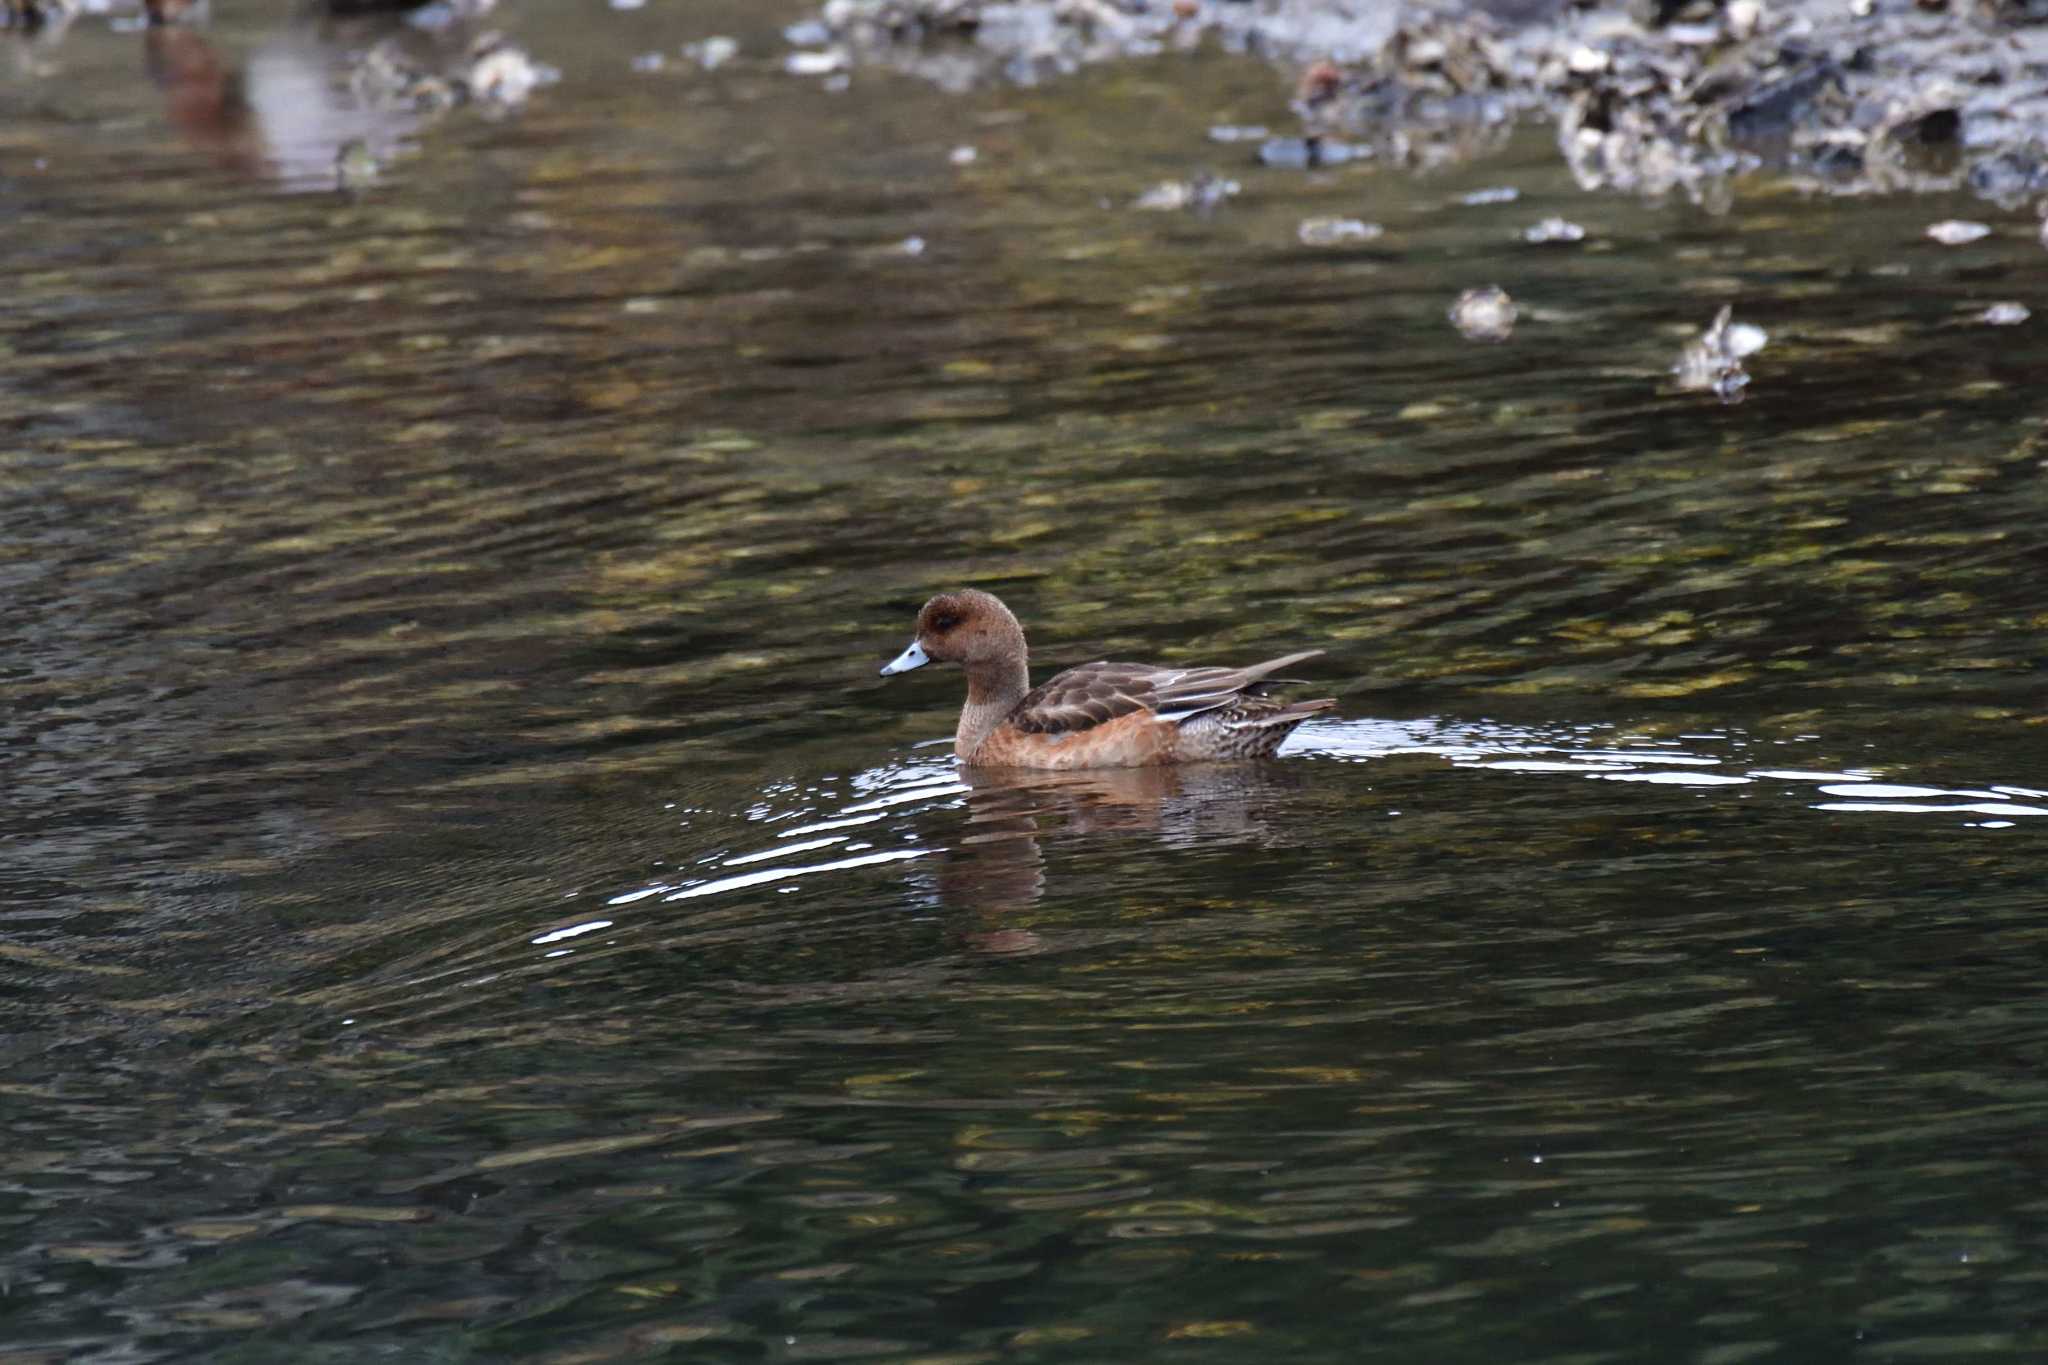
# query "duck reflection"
(998, 862)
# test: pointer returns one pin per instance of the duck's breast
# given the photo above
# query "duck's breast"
(1137, 740)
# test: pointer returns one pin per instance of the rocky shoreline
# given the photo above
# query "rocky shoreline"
(1652, 97)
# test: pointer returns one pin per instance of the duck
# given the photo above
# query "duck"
(1098, 715)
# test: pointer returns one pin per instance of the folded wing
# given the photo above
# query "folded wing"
(1095, 694)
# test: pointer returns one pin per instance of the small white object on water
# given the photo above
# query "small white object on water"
(1745, 339)
(2006, 314)
(912, 246)
(815, 63)
(1497, 194)
(1553, 230)
(713, 52)
(1484, 314)
(1202, 193)
(963, 156)
(629, 4)
(1337, 231)
(1238, 132)
(649, 61)
(1958, 232)
(1712, 361)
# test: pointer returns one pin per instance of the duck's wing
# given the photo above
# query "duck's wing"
(1098, 693)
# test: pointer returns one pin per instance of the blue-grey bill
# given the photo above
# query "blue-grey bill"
(913, 657)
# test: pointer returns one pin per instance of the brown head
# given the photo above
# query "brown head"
(967, 627)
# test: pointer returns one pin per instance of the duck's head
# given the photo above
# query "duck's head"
(967, 627)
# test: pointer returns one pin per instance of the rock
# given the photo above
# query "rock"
(500, 72)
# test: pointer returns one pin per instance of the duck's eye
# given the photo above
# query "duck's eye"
(944, 622)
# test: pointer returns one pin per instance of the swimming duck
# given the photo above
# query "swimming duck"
(1099, 715)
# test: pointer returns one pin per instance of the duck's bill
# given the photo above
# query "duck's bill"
(913, 657)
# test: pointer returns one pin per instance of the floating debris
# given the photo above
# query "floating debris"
(1712, 361)
(1337, 231)
(1958, 232)
(1201, 195)
(713, 52)
(501, 73)
(1553, 230)
(2006, 314)
(1484, 314)
(911, 246)
(1495, 194)
(963, 156)
(1238, 132)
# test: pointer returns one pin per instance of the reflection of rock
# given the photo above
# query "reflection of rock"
(288, 116)
(36, 14)
(355, 167)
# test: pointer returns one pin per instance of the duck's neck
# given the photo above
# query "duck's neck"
(994, 687)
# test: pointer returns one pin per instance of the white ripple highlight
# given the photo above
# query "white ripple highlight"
(557, 935)
(1680, 779)
(914, 794)
(776, 874)
(823, 825)
(1920, 808)
(768, 853)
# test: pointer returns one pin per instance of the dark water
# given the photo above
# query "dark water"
(467, 896)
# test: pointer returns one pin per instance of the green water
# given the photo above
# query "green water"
(467, 895)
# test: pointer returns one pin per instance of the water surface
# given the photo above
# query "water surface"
(469, 896)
